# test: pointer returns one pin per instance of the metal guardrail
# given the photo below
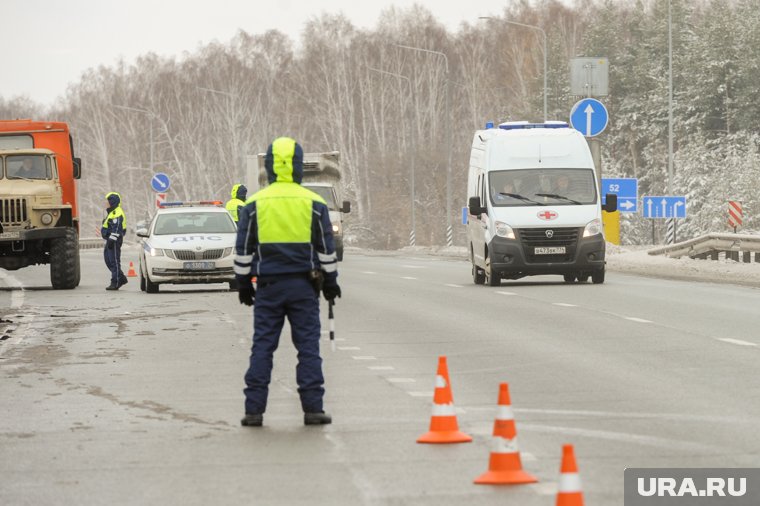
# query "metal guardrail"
(90, 243)
(713, 245)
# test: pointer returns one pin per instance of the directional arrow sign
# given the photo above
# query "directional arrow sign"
(159, 182)
(664, 206)
(589, 117)
(627, 190)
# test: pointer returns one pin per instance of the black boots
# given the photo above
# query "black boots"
(112, 287)
(123, 280)
(320, 418)
(252, 420)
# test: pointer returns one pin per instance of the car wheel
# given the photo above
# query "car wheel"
(150, 287)
(492, 278)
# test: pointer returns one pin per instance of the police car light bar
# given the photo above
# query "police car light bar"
(524, 125)
(190, 203)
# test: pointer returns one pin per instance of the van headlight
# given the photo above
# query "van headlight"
(504, 230)
(593, 227)
(46, 218)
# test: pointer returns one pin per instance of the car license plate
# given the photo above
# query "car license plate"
(198, 266)
(557, 250)
(10, 235)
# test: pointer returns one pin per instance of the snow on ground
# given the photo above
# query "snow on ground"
(631, 260)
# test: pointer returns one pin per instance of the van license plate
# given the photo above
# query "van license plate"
(557, 250)
(10, 235)
(198, 266)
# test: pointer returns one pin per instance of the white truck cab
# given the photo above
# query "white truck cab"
(534, 205)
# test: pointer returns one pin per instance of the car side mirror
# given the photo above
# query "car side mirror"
(77, 163)
(141, 232)
(611, 203)
(346, 207)
(476, 208)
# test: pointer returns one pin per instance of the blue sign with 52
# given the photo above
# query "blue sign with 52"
(627, 191)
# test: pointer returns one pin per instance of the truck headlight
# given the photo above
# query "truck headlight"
(593, 227)
(336, 228)
(504, 230)
(46, 218)
(156, 252)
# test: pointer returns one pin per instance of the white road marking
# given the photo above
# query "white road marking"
(452, 285)
(17, 301)
(364, 357)
(17, 296)
(381, 368)
(413, 266)
(563, 304)
(543, 488)
(348, 348)
(736, 341)
(402, 380)
(421, 394)
(407, 277)
(637, 320)
(368, 272)
(507, 293)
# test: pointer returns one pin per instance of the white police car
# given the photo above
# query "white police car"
(187, 242)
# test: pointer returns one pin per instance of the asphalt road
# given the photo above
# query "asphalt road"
(130, 398)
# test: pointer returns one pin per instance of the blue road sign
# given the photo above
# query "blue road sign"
(159, 182)
(589, 117)
(627, 191)
(663, 206)
(464, 215)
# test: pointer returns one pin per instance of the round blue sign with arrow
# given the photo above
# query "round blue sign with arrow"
(589, 117)
(159, 182)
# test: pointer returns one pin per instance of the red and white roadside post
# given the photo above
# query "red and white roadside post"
(735, 214)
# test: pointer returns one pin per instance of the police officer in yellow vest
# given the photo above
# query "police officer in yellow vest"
(113, 230)
(239, 193)
(285, 240)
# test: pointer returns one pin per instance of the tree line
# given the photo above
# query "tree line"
(388, 108)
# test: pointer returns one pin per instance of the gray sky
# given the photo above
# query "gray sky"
(45, 45)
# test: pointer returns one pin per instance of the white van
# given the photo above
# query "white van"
(534, 205)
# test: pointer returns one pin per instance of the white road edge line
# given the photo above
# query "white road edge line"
(407, 277)
(452, 285)
(421, 394)
(563, 304)
(637, 320)
(507, 293)
(348, 348)
(368, 272)
(381, 368)
(402, 380)
(363, 357)
(735, 341)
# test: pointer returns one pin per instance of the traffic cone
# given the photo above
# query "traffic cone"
(131, 273)
(504, 465)
(443, 424)
(569, 493)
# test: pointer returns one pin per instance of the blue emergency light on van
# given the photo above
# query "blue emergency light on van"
(489, 125)
(524, 125)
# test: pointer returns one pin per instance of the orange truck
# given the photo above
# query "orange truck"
(39, 219)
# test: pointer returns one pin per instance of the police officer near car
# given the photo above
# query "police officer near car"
(285, 240)
(233, 206)
(113, 230)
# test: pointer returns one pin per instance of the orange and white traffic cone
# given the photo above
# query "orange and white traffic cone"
(569, 493)
(443, 424)
(504, 465)
(131, 273)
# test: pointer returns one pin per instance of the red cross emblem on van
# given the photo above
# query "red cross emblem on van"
(547, 215)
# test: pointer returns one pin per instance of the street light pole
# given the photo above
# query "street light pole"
(413, 235)
(150, 124)
(670, 100)
(242, 144)
(449, 230)
(546, 74)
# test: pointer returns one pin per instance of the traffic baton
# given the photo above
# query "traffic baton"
(331, 318)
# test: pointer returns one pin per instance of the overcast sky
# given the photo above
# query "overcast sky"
(45, 45)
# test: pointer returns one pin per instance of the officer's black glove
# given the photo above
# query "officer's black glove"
(331, 291)
(246, 292)
(110, 244)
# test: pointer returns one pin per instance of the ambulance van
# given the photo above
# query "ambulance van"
(534, 204)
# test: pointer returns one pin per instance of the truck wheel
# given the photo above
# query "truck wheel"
(339, 253)
(64, 261)
(597, 277)
(582, 278)
(569, 278)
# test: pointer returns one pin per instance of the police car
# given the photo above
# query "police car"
(187, 242)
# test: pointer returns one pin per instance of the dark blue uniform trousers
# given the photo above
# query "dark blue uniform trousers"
(113, 262)
(296, 299)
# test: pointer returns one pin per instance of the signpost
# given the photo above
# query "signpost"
(159, 182)
(735, 214)
(627, 191)
(663, 206)
(589, 117)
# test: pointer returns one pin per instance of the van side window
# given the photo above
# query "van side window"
(483, 190)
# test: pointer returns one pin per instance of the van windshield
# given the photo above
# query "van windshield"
(326, 192)
(530, 187)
